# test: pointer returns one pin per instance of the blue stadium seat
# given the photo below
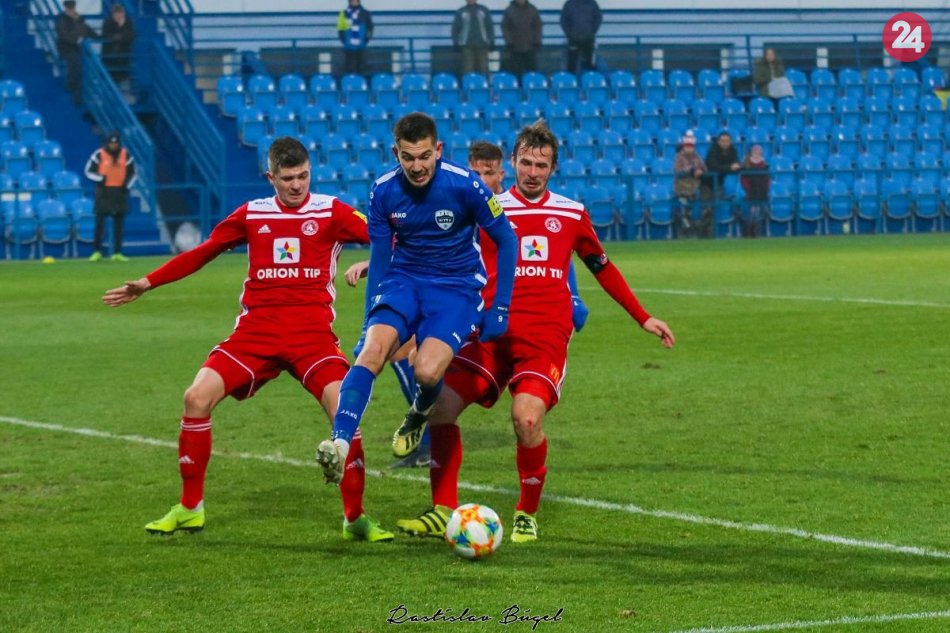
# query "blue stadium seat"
(904, 111)
(415, 91)
(283, 121)
(526, 114)
(384, 90)
(709, 85)
(581, 146)
(82, 212)
(760, 136)
(456, 145)
(823, 84)
(906, 83)
(445, 90)
(535, 89)
(901, 140)
(851, 84)
(263, 92)
(706, 115)
(55, 227)
(16, 158)
(505, 89)
(12, 96)
(799, 81)
(370, 152)
(619, 117)
(29, 126)
(849, 112)
(662, 172)
(499, 119)
(878, 82)
(874, 138)
(930, 139)
(357, 182)
(635, 174)
(877, 111)
(49, 157)
(335, 151)
(376, 121)
(67, 186)
(839, 209)
(22, 227)
(667, 141)
(658, 211)
(347, 121)
(559, 117)
(293, 92)
(355, 91)
(781, 213)
(231, 95)
(588, 117)
(810, 219)
(594, 87)
(841, 169)
(867, 205)
(681, 86)
(653, 86)
(930, 110)
(263, 147)
(611, 146)
(762, 114)
(676, 115)
(844, 140)
(898, 167)
(324, 176)
(565, 88)
(600, 207)
(734, 116)
(647, 115)
(783, 170)
(252, 125)
(34, 186)
(812, 169)
(788, 143)
(897, 213)
(642, 145)
(623, 86)
(323, 89)
(573, 174)
(926, 199)
(932, 78)
(870, 167)
(817, 142)
(476, 90)
(7, 131)
(315, 121)
(793, 113)
(441, 114)
(468, 119)
(821, 112)
(604, 174)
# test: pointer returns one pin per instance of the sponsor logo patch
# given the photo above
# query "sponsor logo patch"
(534, 248)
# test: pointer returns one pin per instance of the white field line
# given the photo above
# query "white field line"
(845, 621)
(575, 501)
(757, 295)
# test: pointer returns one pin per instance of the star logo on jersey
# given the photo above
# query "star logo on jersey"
(534, 248)
(309, 227)
(445, 219)
(287, 250)
(552, 224)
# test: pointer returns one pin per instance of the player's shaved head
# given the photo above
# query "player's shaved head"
(286, 152)
(415, 127)
(536, 136)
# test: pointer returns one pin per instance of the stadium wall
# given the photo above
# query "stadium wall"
(219, 6)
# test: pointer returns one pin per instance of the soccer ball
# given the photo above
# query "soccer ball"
(474, 531)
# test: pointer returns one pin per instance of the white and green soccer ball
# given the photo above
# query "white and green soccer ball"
(474, 531)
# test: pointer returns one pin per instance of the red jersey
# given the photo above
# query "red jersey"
(292, 253)
(549, 231)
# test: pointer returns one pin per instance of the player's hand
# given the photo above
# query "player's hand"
(494, 323)
(131, 291)
(661, 329)
(579, 313)
(356, 272)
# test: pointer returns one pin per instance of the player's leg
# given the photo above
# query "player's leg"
(431, 361)
(402, 364)
(532, 399)
(194, 453)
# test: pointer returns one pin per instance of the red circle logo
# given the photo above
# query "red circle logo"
(907, 37)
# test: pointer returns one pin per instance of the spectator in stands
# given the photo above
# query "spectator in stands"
(755, 181)
(71, 30)
(355, 28)
(113, 169)
(769, 76)
(118, 35)
(688, 168)
(722, 159)
(473, 33)
(580, 20)
(521, 27)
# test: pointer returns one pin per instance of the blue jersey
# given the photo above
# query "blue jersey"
(433, 228)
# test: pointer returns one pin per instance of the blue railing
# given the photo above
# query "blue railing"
(186, 117)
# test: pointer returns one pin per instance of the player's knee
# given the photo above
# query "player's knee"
(198, 402)
(373, 357)
(428, 373)
(528, 427)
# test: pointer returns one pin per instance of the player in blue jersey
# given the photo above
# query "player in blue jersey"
(425, 276)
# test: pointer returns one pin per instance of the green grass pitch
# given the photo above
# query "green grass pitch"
(783, 468)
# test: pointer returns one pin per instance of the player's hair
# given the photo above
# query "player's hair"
(415, 127)
(536, 135)
(484, 151)
(286, 151)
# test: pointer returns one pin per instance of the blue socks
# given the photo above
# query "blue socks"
(427, 397)
(354, 396)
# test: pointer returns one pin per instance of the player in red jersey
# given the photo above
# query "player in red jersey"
(530, 359)
(293, 243)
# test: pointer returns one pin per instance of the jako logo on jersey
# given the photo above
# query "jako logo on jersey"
(263, 230)
(552, 224)
(445, 219)
(287, 250)
(309, 227)
(534, 248)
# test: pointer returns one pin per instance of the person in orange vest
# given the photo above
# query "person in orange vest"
(113, 168)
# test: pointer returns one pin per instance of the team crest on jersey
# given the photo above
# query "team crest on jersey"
(287, 250)
(534, 248)
(309, 227)
(445, 219)
(552, 224)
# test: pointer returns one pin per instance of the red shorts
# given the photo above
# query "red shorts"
(259, 349)
(480, 372)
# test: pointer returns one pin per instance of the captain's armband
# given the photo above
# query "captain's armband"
(596, 263)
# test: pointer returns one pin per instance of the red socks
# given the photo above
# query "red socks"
(354, 480)
(194, 452)
(446, 450)
(531, 472)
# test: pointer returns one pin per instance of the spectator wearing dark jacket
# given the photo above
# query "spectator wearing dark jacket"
(118, 35)
(722, 159)
(355, 29)
(755, 181)
(521, 28)
(71, 30)
(580, 20)
(474, 34)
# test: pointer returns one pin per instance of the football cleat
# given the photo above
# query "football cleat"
(525, 528)
(419, 458)
(430, 523)
(409, 434)
(331, 455)
(96, 257)
(119, 257)
(178, 518)
(365, 529)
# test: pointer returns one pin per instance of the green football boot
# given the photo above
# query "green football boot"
(524, 528)
(432, 522)
(96, 257)
(365, 529)
(178, 518)
(119, 257)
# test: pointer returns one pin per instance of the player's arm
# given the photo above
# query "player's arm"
(228, 234)
(495, 322)
(380, 242)
(612, 281)
(356, 272)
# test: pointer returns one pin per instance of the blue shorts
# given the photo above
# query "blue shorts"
(449, 314)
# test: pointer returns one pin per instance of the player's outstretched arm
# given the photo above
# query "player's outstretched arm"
(356, 272)
(127, 293)
(655, 326)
